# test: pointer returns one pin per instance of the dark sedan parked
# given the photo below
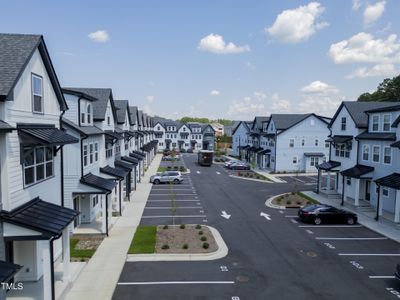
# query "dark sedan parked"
(397, 273)
(318, 214)
(239, 166)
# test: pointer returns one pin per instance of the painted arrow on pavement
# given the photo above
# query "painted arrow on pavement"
(225, 215)
(198, 172)
(267, 216)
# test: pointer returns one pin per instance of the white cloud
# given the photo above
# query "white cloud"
(373, 12)
(356, 4)
(279, 105)
(320, 98)
(296, 25)
(319, 87)
(99, 36)
(214, 93)
(150, 99)
(215, 43)
(382, 70)
(363, 48)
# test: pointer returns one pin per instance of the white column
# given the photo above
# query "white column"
(328, 182)
(335, 182)
(357, 193)
(47, 265)
(103, 214)
(397, 207)
(344, 187)
(66, 254)
(320, 180)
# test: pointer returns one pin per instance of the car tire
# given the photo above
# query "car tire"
(317, 221)
(176, 181)
(157, 181)
(350, 221)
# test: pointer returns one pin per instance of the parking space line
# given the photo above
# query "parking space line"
(352, 238)
(291, 216)
(327, 226)
(312, 178)
(382, 277)
(174, 282)
(169, 200)
(169, 194)
(298, 180)
(176, 216)
(179, 207)
(369, 254)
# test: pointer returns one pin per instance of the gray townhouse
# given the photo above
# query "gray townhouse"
(365, 158)
(240, 138)
(34, 220)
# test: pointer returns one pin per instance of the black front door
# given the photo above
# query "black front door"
(367, 190)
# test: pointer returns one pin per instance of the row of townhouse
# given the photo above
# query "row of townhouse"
(283, 142)
(364, 157)
(69, 160)
(183, 136)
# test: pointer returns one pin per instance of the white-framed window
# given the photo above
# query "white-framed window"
(316, 142)
(96, 151)
(37, 93)
(375, 123)
(385, 192)
(38, 164)
(327, 144)
(386, 122)
(109, 150)
(91, 153)
(343, 150)
(387, 155)
(365, 153)
(343, 124)
(83, 117)
(95, 200)
(158, 128)
(89, 113)
(294, 160)
(117, 148)
(314, 161)
(126, 145)
(85, 155)
(376, 153)
(291, 143)
(303, 142)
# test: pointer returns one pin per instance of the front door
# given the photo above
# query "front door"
(368, 190)
(76, 207)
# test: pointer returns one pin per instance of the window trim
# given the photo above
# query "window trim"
(33, 94)
(89, 113)
(372, 123)
(388, 192)
(379, 153)
(368, 152)
(343, 125)
(34, 165)
(290, 143)
(389, 123)
(391, 154)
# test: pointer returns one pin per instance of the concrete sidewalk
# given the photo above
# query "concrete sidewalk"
(383, 226)
(99, 278)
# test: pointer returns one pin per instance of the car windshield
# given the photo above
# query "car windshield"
(310, 207)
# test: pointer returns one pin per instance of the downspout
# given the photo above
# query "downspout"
(107, 213)
(85, 136)
(53, 288)
(62, 164)
(342, 202)
(378, 203)
(276, 143)
(120, 197)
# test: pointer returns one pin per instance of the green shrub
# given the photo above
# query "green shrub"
(293, 193)
(165, 227)
(182, 226)
(185, 246)
(176, 167)
(198, 226)
(279, 200)
(298, 202)
(288, 202)
(182, 169)
(203, 238)
(206, 245)
(201, 232)
(165, 247)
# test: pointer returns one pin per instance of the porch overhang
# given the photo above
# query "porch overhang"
(103, 184)
(115, 172)
(130, 160)
(136, 156)
(265, 151)
(44, 134)
(112, 136)
(396, 144)
(340, 139)
(358, 171)
(38, 216)
(314, 154)
(379, 136)
(8, 271)
(5, 127)
(329, 166)
(390, 181)
(124, 165)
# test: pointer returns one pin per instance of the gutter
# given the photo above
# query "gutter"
(62, 164)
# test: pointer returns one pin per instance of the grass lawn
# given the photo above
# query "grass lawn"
(313, 201)
(161, 169)
(144, 240)
(78, 253)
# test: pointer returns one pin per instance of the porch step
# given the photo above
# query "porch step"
(333, 196)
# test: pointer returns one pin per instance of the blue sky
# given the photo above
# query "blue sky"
(229, 59)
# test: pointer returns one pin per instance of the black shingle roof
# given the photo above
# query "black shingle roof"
(48, 218)
(285, 121)
(98, 182)
(46, 135)
(130, 160)
(5, 126)
(140, 118)
(117, 172)
(391, 181)
(357, 171)
(122, 106)
(136, 156)
(8, 270)
(85, 130)
(124, 165)
(100, 106)
(384, 136)
(329, 165)
(133, 114)
(15, 52)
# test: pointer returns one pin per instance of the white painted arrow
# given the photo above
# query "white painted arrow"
(198, 172)
(262, 214)
(218, 173)
(225, 215)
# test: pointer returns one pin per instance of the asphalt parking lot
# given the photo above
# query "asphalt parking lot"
(272, 255)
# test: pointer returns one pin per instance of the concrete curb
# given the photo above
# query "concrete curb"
(251, 179)
(269, 204)
(270, 177)
(221, 252)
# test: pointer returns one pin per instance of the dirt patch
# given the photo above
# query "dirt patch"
(176, 238)
(83, 247)
(290, 201)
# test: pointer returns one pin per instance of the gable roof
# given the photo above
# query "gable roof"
(258, 121)
(16, 51)
(245, 124)
(358, 111)
(140, 117)
(133, 115)
(100, 106)
(122, 109)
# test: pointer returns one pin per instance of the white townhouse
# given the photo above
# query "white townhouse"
(33, 218)
(295, 142)
(134, 146)
(196, 136)
(256, 153)
(240, 138)
(364, 159)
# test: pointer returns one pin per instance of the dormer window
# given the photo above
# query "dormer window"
(386, 123)
(37, 93)
(375, 123)
(158, 128)
(108, 120)
(184, 128)
(89, 113)
(343, 124)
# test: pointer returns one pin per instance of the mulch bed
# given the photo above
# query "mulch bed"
(175, 238)
(290, 201)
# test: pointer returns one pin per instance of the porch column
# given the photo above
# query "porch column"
(357, 193)
(66, 254)
(335, 183)
(319, 181)
(397, 207)
(103, 214)
(328, 182)
(343, 190)
(47, 270)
